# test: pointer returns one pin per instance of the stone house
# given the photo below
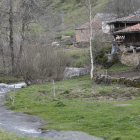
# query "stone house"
(100, 28)
(82, 32)
(131, 43)
(124, 22)
(129, 36)
(126, 33)
(120, 24)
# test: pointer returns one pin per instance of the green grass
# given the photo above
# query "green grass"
(78, 109)
(36, 28)
(67, 33)
(76, 13)
(78, 57)
(119, 66)
(78, 52)
(9, 136)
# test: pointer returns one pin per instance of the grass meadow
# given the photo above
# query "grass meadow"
(113, 112)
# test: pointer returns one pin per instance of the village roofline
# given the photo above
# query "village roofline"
(131, 29)
(123, 22)
(128, 19)
(86, 26)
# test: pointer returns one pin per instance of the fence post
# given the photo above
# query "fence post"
(53, 89)
(105, 75)
(13, 97)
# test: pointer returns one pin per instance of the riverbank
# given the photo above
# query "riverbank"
(8, 118)
(10, 79)
(109, 114)
(29, 125)
(9, 136)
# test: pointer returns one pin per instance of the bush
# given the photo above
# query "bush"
(115, 61)
(102, 91)
(66, 92)
(60, 104)
(41, 63)
(117, 138)
(100, 58)
(99, 50)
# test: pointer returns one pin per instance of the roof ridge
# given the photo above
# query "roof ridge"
(131, 28)
(129, 18)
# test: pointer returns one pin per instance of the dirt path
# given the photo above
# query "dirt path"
(125, 73)
(28, 125)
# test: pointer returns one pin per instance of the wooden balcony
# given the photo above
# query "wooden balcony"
(112, 30)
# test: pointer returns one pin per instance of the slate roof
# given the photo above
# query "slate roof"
(131, 29)
(86, 26)
(128, 19)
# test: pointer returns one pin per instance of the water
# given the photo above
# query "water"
(28, 125)
(6, 88)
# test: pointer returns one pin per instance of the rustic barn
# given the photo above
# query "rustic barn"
(126, 32)
(120, 24)
(82, 32)
(131, 37)
(124, 22)
(99, 26)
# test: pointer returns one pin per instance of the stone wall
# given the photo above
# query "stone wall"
(130, 59)
(83, 36)
(122, 48)
(104, 79)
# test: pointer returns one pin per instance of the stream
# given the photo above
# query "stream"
(28, 125)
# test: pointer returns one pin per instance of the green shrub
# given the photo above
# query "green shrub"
(60, 104)
(117, 138)
(100, 57)
(102, 91)
(12, 107)
(99, 50)
(66, 92)
(115, 61)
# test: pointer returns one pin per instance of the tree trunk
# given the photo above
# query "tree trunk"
(11, 44)
(22, 43)
(90, 40)
(3, 59)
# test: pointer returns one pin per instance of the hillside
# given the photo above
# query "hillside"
(75, 12)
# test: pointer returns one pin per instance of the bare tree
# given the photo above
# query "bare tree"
(122, 8)
(16, 15)
(26, 17)
(7, 25)
(3, 57)
(62, 60)
(41, 62)
(11, 42)
(31, 53)
(88, 5)
(91, 55)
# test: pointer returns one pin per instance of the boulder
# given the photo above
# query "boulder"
(55, 44)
